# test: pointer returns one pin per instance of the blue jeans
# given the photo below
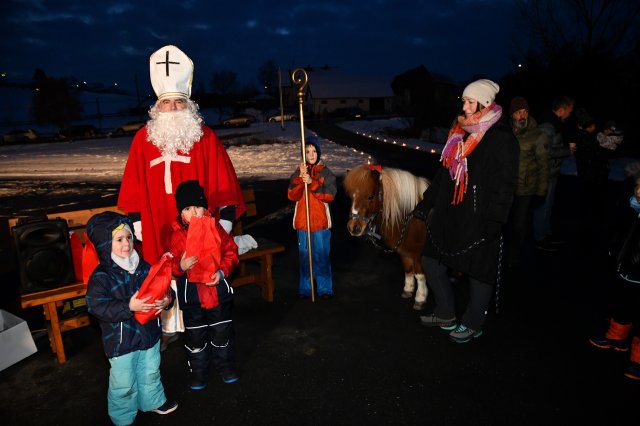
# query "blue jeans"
(321, 248)
(134, 384)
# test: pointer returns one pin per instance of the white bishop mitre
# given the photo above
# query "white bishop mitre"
(171, 73)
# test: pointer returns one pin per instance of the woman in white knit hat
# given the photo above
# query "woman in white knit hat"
(465, 207)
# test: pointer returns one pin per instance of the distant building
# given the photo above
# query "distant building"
(430, 100)
(331, 90)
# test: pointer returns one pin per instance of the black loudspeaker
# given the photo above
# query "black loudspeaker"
(44, 254)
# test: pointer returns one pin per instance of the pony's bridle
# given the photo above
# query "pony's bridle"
(373, 236)
(369, 219)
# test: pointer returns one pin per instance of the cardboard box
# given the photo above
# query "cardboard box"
(16, 342)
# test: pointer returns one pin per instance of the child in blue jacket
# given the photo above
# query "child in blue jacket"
(133, 349)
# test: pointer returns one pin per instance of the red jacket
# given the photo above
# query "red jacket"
(207, 296)
(322, 190)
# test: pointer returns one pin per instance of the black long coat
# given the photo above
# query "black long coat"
(466, 236)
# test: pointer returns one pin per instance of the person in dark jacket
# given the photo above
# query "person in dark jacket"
(465, 207)
(533, 177)
(207, 307)
(624, 325)
(593, 172)
(551, 122)
(133, 349)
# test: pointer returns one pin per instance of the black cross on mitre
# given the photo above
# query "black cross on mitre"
(167, 62)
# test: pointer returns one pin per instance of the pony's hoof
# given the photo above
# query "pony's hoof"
(406, 295)
(418, 306)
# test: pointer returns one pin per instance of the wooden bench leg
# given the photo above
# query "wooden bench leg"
(55, 334)
(266, 277)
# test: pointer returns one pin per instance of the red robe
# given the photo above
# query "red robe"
(148, 190)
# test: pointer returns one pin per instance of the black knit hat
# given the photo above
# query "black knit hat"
(517, 104)
(190, 193)
(584, 119)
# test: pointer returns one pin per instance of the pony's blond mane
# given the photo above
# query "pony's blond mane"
(402, 191)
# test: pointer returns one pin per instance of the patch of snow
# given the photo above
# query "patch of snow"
(103, 160)
(262, 151)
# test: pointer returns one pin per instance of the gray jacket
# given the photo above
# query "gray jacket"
(551, 125)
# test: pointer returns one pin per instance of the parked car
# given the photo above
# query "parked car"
(128, 128)
(80, 131)
(354, 113)
(349, 113)
(243, 120)
(279, 117)
(15, 136)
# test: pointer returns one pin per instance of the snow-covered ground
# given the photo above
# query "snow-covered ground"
(375, 130)
(104, 159)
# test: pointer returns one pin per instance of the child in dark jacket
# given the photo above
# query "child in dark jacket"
(624, 324)
(133, 349)
(207, 306)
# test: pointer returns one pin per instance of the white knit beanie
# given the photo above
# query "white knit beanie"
(484, 91)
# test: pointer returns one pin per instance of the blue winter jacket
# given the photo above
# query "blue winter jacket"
(109, 290)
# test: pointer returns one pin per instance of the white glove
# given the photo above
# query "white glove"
(245, 243)
(227, 225)
(137, 230)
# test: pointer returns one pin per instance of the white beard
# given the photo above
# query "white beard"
(174, 131)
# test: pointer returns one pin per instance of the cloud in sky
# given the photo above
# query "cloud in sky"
(112, 40)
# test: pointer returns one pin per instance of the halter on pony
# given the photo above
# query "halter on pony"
(372, 226)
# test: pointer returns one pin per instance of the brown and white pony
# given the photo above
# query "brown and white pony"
(381, 204)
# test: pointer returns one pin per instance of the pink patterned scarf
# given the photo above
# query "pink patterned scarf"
(455, 152)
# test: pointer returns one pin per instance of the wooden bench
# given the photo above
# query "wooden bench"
(255, 268)
(255, 265)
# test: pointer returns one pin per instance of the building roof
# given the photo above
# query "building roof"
(332, 84)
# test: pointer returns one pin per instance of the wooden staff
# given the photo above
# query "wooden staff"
(301, 81)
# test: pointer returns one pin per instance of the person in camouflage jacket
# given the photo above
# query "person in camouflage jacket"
(533, 176)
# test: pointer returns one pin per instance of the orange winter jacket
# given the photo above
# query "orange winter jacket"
(322, 191)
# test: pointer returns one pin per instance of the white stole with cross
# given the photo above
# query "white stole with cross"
(167, 159)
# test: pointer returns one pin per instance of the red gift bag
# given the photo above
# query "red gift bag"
(90, 259)
(203, 241)
(76, 255)
(155, 285)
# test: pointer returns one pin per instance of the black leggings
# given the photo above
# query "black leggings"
(480, 294)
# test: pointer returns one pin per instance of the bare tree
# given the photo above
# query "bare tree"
(583, 27)
(54, 102)
(224, 82)
(268, 76)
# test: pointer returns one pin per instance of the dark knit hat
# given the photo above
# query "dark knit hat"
(517, 104)
(312, 140)
(584, 119)
(190, 193)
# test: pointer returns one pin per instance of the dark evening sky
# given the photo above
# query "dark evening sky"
(110, 41)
